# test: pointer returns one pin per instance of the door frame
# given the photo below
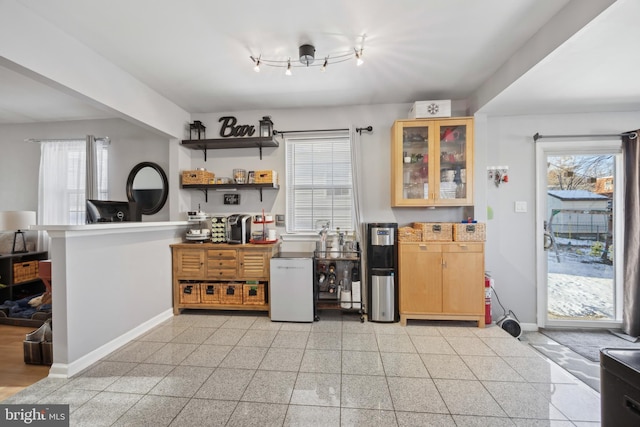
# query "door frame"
(543, 149)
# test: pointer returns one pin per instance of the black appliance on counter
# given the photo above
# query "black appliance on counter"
(382, 272)
(239, 228)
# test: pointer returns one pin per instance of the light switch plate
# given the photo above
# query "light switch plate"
(520, 206)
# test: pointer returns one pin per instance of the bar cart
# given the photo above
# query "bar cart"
(337, 281)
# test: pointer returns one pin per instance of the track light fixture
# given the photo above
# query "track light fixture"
(307, 54)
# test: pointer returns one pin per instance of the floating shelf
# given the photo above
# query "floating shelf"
(224, 143)
(206, 187)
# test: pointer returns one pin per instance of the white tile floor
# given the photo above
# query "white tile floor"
(210, 369)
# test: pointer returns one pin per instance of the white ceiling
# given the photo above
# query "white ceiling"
(196, 54)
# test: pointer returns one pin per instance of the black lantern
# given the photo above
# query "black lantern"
(266, 127)
(197, 130)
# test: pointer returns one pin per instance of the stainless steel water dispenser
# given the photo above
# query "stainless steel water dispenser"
(382, 274)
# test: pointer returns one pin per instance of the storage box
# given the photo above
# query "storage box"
(435, 231)
(409, 234)
(231, 293)
(32, 352)
(189, 293)
(620, 387)
(266, 177)
(198, 177)
(428, 109)
(465, 232)
(210, 293)
(253, 294)
(25, 271)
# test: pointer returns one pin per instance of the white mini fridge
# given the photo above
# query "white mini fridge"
(291, 287)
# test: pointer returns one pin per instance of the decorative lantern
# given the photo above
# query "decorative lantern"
(197, 130)
(266, 127)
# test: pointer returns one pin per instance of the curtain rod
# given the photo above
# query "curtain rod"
(633, 135)
(106, 138)
(359, 130)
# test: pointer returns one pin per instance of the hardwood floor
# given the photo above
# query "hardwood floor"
(16, 375)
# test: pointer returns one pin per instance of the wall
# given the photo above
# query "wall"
(511, 237)
(20, 160)
(375, 160)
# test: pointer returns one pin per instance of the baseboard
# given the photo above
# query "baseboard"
(529, 327)
(62, 370)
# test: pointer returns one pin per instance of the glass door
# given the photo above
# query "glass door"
(452, 163)
(415, 162)
(580, 235)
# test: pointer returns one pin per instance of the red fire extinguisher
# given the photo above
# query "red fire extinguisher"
(488, 283)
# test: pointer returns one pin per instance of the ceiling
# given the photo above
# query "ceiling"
(196, 53)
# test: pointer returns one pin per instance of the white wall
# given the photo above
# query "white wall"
(376, 163)
(20, 160)
(510, 246)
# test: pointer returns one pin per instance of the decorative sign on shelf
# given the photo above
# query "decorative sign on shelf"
(229, 128)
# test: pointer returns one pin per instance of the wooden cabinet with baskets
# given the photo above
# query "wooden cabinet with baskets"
(19, 275)
(441, 281)
(432, 162)
(221, 276)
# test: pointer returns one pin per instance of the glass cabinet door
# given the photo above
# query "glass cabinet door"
(452, 159)
(415, 162)
(432, 162)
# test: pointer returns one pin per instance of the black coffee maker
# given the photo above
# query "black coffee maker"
(239, 228)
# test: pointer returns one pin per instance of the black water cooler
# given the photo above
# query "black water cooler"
(382, 272)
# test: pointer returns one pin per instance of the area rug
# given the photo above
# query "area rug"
(588, 342)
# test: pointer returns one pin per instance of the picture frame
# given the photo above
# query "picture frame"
(251, 177)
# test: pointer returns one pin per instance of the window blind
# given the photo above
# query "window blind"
(319, 183)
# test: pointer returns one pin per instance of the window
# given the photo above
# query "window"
(63, 179)
(319, 183)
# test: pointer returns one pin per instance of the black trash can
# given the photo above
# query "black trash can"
(619, 387)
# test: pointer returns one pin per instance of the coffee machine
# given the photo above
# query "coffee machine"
(382, 272)
(239, 228)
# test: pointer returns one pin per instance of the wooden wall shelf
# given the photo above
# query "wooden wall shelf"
(224, 143)
(206, 187)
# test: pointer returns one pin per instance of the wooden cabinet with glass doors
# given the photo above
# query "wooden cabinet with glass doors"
(432, 162)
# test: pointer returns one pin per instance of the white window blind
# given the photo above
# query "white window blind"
(319, 183)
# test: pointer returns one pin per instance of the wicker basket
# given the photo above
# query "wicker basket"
(409, 234)
(198, 177)
(435, 231)
(25, 271)
(210, 293)
(189, 293)
(266, 177)
(475, 232)
(231, 293)
(253, 294)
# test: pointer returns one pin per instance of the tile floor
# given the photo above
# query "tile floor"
(212, 369)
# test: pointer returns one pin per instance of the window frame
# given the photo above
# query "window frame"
(340, 144)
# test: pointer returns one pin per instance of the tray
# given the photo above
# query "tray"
(262, 242)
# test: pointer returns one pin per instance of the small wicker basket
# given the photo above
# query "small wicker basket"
(435, 231)
(253, 294)
(409, 234)
(464, 232)
(231, 293)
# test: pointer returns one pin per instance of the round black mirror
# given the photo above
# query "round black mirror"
(147, 185)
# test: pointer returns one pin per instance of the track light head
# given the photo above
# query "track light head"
(288, 72)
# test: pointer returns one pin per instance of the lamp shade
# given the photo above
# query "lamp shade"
(17, 220)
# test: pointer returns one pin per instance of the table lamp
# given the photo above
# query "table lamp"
(17, 221)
